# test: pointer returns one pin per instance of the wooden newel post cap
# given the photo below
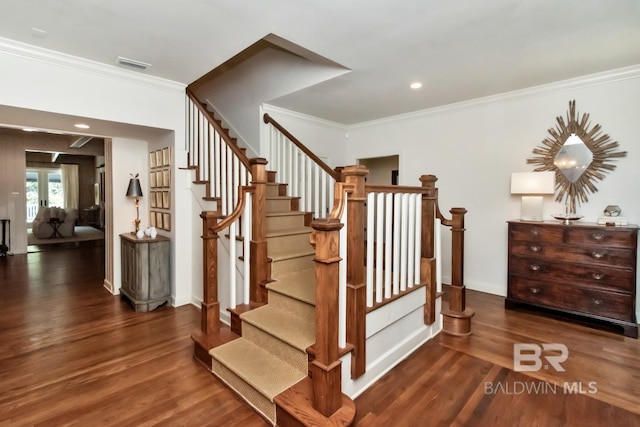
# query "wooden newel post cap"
(458, 211)
(426, 180)
(327, 224)
(358, 170)
(258, 161)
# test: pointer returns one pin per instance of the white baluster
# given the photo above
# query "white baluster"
(403, 242)
(388, 224)
(232, 265)
(369, 245)
(418, 237)
(342, 283)
(411, 240)
(397, 221)
(379, 242)
(246, 247)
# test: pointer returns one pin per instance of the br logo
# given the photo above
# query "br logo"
(528, 357)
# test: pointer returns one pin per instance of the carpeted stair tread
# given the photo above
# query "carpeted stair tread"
(290, 213)
(299, 285)
(293, 330)
(290, 232)
(293, 254)
(257, 367)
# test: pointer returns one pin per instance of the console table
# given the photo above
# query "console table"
(145, 266)
(582, 269)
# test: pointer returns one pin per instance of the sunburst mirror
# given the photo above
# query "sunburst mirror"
(579, 154)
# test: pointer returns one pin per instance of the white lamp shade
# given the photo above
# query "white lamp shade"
(533, 182)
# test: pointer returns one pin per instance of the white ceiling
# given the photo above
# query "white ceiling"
(459, 50)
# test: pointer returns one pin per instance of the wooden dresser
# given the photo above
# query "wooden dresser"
(146, 282)
(581, 269)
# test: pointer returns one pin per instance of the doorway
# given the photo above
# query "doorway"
(43, 188)
(382, 170)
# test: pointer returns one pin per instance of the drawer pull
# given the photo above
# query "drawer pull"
(597, 276)
(535, 290)
(597, 255)
(597, 236)
(597, 301)
(535, 248)
(534, 267)
(535, 231)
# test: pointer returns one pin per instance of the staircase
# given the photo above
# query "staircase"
(270, 357)
(298, 343)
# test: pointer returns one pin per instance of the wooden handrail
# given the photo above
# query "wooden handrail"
(237, 211)
(269, 120)
(236, 150)
(394, 189)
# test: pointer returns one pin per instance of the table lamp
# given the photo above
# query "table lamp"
(532, 185)
(135, 190)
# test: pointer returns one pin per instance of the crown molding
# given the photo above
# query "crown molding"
(610, 76)
(35, 53)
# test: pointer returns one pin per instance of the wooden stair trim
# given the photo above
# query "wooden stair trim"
(294, 408)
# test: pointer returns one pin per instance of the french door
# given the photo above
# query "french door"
(44, 188)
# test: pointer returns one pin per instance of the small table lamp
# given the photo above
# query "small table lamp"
(135, 190)
(531, 185)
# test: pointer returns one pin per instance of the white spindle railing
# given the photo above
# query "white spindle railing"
(342, 281)
(215, 158)
(308, 177)
(220, 164)
(393, 244)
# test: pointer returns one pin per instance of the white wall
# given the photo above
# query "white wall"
(474, 147)
(45, 89)
(324, 138)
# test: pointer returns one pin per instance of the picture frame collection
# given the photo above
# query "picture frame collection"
(160, 184)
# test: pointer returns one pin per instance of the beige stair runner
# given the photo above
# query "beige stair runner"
(271, 355)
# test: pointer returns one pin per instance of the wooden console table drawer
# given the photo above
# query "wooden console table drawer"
(580, 269)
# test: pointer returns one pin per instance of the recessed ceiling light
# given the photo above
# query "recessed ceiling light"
(30, 130)
(81, 126)
(416, 85)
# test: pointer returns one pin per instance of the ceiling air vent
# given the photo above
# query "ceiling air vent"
(133, 63)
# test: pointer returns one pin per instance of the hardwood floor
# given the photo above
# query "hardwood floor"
(72, 354)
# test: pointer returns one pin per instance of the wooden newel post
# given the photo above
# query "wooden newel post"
(258, 245)
(210, 308)
(326, 367)
(427, 255)
(356, 286)
(457, 319)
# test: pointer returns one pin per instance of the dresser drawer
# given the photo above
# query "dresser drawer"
(596, 255)
(535, 233)
(601, 236)
(583, 300)
(593, 275)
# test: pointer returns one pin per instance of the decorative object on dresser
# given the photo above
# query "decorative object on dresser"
(579, 155)
(145, 271)
(583, 271)
(532, 185)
